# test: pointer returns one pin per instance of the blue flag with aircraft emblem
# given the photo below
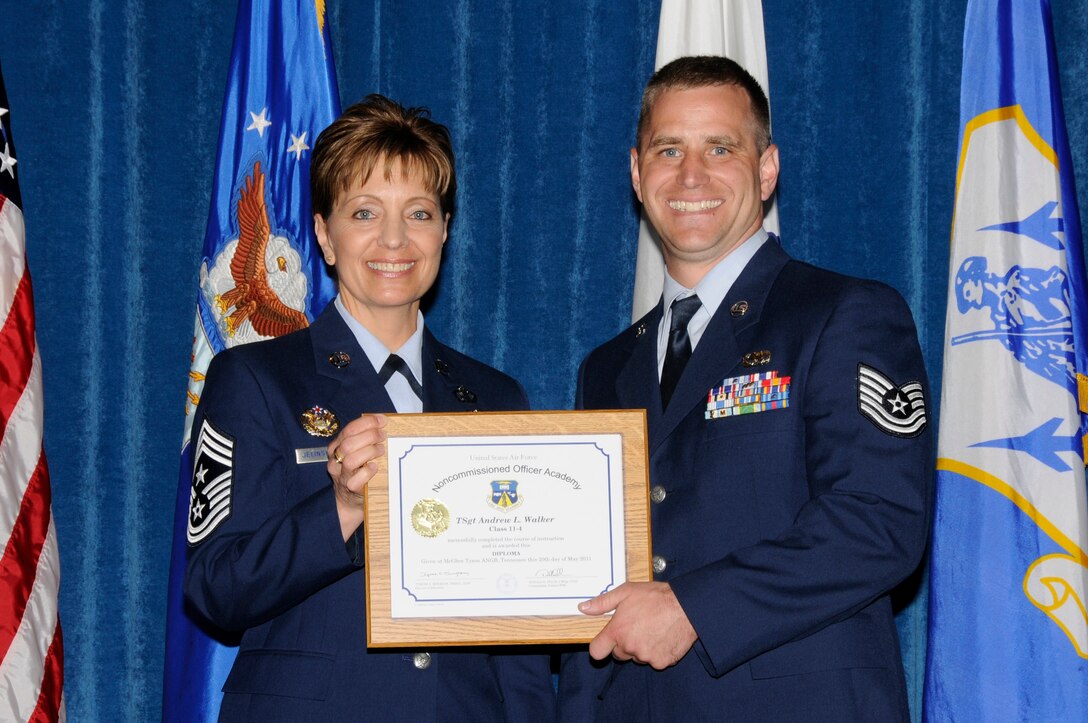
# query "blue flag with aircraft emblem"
(261, 272)
(1008, 633)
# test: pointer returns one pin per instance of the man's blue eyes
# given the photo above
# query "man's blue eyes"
(675, 152)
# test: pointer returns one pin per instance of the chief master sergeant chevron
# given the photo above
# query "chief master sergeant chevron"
(790, 457)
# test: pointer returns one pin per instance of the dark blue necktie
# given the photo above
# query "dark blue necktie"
(679, 351)
(395, 364)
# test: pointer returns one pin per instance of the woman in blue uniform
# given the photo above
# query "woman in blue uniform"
(282, 559)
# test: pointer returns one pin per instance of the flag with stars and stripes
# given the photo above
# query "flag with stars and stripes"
(1008, 628)
(31, 650)
(281, 93)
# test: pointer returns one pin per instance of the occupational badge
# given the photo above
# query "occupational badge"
(747, 394)
(213, 479)
(430, 518)
(756, 358)
(504, 494)
(319, 422)
(896, 410)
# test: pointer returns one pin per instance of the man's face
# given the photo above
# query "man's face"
(700, 177)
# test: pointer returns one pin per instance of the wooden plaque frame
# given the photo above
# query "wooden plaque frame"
(384, 631)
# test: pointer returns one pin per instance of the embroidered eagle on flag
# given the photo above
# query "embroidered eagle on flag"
(252, 297)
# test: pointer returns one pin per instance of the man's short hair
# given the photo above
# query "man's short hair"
(374, 129)
(701, 71)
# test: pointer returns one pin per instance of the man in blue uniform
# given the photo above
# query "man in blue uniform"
(789, 447)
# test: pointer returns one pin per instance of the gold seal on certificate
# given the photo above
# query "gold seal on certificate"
(430, 518)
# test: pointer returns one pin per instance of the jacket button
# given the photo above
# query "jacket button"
(658, 494)
(659, 564)
(422, 661)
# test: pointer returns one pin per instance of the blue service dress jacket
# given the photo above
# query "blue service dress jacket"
(780, 527)
(277, 567)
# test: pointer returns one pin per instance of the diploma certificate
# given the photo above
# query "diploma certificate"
(490, 528)
(523, 525)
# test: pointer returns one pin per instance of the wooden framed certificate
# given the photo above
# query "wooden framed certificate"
(488, 528)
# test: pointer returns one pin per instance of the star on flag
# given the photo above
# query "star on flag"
(7, 161)
(298, 145)
(260, 122)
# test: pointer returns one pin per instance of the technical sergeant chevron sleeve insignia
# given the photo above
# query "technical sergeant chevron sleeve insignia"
(895, 410)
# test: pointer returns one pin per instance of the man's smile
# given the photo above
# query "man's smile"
(689, 206)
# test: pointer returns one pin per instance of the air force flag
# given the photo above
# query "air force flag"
(261, 275)
(1008, 634)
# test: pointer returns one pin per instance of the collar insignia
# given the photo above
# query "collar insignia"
(339, 359)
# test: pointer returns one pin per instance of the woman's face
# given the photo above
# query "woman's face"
(385, 239)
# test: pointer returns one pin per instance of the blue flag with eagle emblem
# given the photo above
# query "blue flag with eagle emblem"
(1008, 633)
(261, 272)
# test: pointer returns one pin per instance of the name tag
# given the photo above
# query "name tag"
(309, 455)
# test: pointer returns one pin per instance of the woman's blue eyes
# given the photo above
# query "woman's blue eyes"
(364, 214)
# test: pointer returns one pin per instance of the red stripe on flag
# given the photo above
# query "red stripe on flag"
(19, 565)
(48, 709)
(16, 349)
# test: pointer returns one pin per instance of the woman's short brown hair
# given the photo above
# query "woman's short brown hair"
(375, 128)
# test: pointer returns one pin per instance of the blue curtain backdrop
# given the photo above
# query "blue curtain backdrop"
(115, 107)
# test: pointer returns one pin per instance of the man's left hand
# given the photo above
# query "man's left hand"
(648, 625)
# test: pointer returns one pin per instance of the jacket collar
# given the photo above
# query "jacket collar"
(352, 385)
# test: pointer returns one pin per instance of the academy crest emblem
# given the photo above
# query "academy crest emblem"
(504, 494)
(213, 478)
(895, 410)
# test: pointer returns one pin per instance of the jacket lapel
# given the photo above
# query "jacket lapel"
(718, 353)
(345, 375)
(632, 389)
(443, 389)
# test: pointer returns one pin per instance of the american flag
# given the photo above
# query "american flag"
(32, 667)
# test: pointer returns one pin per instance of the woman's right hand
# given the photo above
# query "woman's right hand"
(352, 463)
